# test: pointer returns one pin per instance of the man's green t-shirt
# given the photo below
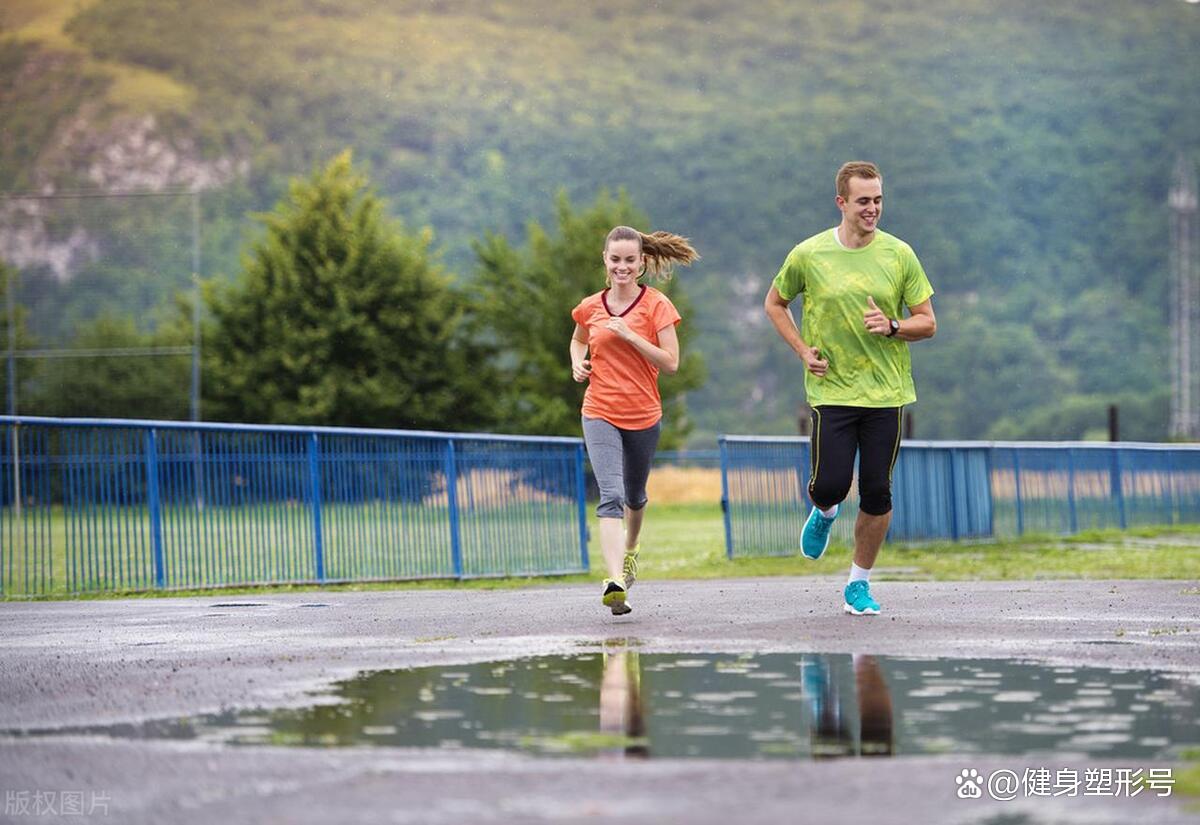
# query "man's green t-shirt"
(865, 370)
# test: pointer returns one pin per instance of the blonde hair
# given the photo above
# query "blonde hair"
(661, 249)
(855, 169)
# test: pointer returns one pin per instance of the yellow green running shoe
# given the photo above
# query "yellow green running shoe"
(614, 597)
(629, 569)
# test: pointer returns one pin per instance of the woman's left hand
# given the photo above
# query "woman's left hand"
(618, 326)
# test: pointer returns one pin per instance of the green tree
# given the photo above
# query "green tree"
(977, 370)
(23, 370)
(525, 298)
(341, 317)
(1141, 417)
(115, 385)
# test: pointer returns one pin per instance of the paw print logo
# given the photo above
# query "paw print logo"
(970, 784)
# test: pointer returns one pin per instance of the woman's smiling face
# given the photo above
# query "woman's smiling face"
(623, 261)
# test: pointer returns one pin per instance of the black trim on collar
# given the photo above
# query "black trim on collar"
(604, 300)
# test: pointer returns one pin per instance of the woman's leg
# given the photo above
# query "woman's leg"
(639, 447)
(605, 452)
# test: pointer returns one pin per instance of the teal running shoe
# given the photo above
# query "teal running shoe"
(859, 601)
(815, 537)
(814, 676)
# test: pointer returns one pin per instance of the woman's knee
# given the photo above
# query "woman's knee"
(611, 505)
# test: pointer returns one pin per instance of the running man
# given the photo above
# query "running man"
(856, 280)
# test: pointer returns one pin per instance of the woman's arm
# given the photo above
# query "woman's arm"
(581, 367)
(665, 356)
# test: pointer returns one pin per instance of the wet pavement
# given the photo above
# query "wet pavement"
(1045, 680)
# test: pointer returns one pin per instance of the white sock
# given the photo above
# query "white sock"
(830, 513)
(858, 574)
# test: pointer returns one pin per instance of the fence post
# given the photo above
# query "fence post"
(581, 495)
(1170, 488)
(314, 487)
(155, 506)
(725, 497)
(991, 496)
(953, 496)
(1074, 519)
(1118, 488)
(1017, 486)
(452, 497)
(804, 468)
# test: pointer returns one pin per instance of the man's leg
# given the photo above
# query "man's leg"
(874, 707)
(869, 533)
(879, 444)
(834, 441)
(831, 455)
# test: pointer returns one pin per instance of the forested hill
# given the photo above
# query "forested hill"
(1027, 149)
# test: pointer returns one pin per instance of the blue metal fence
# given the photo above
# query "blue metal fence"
(688, 459)
(104, 505)
(962, 490)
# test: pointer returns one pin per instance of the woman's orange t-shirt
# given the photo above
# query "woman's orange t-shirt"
(623, 387)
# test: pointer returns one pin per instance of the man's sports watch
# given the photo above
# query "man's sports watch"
(895, 327)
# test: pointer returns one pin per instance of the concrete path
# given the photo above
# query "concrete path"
(68, 664)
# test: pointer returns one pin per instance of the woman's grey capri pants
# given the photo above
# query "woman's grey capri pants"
(621, 461)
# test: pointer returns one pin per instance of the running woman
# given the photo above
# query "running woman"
(856, 280)
(624, 335)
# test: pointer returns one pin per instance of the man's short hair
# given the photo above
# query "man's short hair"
(855, 169)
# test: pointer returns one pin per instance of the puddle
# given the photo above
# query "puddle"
(626, 703)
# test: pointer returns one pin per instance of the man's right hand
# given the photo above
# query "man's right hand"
(812, 360)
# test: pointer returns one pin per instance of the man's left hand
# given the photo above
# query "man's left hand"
(876, 322)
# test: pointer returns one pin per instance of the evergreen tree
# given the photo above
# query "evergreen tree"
(116, 385)
(525, 298)
(341, 317)
(24, 372)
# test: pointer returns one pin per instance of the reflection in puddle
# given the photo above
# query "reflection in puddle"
(621, 703)
(622, 712)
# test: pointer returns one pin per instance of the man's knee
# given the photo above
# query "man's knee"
(827, 491)
(875, 499)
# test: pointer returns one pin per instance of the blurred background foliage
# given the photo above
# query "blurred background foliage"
(1027, 150)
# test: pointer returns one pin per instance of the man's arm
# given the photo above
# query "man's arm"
(920, 324)
(781, 318)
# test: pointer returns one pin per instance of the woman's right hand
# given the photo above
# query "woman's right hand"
(814, 364)
(581, 370)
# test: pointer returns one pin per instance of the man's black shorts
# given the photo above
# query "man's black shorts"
(838, 433)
